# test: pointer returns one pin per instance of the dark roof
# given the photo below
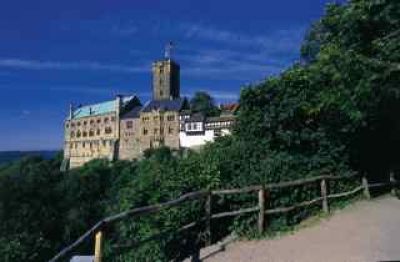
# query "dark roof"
(164, 105)
(198, 117)
(133, 113)
(220, 118)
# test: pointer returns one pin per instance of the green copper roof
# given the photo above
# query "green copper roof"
(100, 108)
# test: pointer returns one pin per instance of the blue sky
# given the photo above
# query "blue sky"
(56, 52)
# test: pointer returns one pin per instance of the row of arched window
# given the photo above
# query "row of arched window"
(78, 134)
(92, 144)
(91, 122)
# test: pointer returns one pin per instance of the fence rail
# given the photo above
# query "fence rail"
(97, 230)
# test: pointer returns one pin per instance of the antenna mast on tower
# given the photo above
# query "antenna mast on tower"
(168, 50)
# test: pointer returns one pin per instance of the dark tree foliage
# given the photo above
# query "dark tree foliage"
(203, 102)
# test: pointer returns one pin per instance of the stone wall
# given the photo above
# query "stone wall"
(91, 138)
(159, 128)
(129, 144)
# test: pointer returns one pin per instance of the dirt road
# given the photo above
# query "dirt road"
(362, 232)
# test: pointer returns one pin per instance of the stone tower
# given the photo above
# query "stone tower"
(166, 78)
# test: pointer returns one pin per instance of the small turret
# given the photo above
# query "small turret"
(118, 104)
(71, 111)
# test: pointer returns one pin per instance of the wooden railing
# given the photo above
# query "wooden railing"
(97, 230)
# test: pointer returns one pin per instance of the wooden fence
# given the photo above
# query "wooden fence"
(97, 231)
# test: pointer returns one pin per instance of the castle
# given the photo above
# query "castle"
(123, 128)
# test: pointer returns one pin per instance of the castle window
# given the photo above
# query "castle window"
(90, 144)
(113, 118)
(171, 118)
(145, 131)
(78, 124)
(106, 120)
(108, 130)
(98, 132)
(91, 122)
(72, 124)
(83, 144)
(91, 133)
(78, 134)
(98, 121)
(155, 131)
(84, 134)
(104, 143)
(72, 134)
(67, 125)
(129, 124)
(170, 130)
(84, 123)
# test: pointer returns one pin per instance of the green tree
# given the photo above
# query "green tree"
(203, 102)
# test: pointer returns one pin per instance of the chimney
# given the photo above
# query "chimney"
(118, 104)
(71, 111)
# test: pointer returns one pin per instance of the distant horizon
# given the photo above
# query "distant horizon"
(31, 150)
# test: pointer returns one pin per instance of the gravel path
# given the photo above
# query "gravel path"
(365, 231)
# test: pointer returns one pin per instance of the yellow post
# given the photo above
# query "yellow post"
(98, 248)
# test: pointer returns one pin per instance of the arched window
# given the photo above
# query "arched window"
(72, 134)
(91, 133)
(108, 130)
(106, 120)
(84, 134)
(98, 132)
(78, 134)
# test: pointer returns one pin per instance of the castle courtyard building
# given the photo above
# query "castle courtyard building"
(123, 128)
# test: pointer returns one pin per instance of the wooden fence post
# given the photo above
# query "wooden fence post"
(325, 207)
(98, 248)
(392, 183)
(261, 214)
(367, 195)
(208, 219)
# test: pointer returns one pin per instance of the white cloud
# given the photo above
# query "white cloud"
(279, 40)
(17, 63)
(218, 95)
